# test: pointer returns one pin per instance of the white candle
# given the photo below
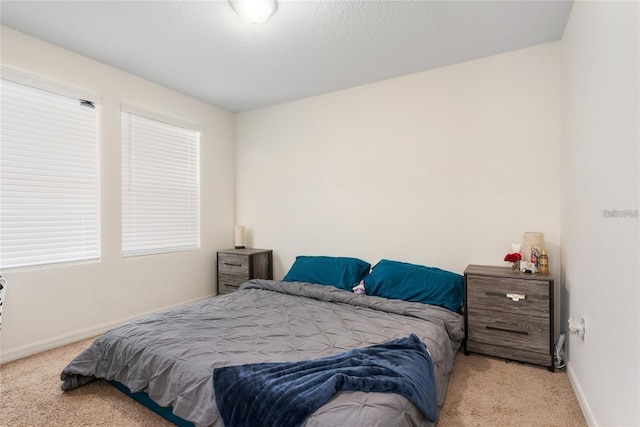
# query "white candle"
(240, 238)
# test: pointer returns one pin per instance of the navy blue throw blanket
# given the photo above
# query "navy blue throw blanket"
(285, 394)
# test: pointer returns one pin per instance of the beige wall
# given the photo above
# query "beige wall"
(444, 168)
(46, 307)
(601, 96)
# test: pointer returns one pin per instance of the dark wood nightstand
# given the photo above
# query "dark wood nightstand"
(509, 314)
(236, 266)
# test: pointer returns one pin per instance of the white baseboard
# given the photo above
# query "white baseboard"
(586, 410)
(71, 337)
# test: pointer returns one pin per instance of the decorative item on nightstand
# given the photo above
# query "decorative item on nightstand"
(240, 237)
(532, 243)
(514, 257)
(543, 262)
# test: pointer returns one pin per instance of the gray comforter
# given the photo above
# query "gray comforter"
(171, 355)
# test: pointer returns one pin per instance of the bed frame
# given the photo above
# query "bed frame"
(143, 398)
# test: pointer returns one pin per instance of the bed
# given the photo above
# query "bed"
(170, 356)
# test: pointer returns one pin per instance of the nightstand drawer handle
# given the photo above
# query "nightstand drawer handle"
(230, 285)
(233, 265)
(515, 297)
(493, 328)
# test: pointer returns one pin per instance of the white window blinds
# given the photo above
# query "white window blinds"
(49, 204)
(160, 186)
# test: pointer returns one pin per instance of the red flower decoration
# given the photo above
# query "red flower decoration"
(514, 257)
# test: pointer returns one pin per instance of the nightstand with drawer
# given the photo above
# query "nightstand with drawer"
(509, 314)
(236, 266)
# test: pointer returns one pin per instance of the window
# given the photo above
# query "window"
(49, 204)
(160, 184)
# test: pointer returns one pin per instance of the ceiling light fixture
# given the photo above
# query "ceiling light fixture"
(254, 11)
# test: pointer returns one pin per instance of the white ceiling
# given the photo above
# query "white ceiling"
(203, 49)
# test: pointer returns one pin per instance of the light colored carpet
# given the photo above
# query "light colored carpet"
(482, 392)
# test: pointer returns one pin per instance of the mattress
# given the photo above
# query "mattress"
(171, 355)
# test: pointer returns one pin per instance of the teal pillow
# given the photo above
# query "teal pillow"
(341, 272)
(416, 283)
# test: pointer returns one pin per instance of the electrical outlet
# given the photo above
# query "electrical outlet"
(577, 327)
